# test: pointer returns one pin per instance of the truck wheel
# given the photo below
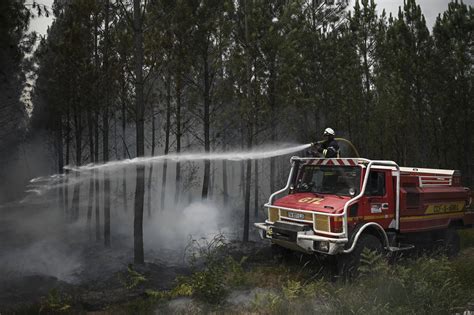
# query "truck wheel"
(280, 253)
(348, 264)
(452, 242)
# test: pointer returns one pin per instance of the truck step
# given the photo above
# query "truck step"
(401, 247)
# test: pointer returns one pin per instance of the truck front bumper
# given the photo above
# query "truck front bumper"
(299, 237)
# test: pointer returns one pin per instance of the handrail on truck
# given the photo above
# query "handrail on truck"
(350, 202)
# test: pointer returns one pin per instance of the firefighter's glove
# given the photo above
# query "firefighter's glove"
(318, 147)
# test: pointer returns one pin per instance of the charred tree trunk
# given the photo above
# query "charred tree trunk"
(124, 143)
(78, 142)
(167, 141)
(178, 136)
(60, 152)
(95, 121)
(248, 178)
(150, 170)
(256, 202)
(105, 128)
(225, 190)
(273, 134)
(96, 178)
(206, 96)
(248, 163)
(242, 163)
(140, 134)
(68, 160)
(91, 159)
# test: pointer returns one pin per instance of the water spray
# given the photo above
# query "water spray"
(255, 154)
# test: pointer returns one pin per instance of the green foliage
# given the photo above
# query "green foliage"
(132, 278)
(267, 302)
(292, 290)
(371, 263)
(424, 285)
(467, 238)
(181, 290)
(55, 302)
(235, 273)
(210, 281)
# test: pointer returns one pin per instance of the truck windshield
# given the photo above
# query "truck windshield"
(337, 180)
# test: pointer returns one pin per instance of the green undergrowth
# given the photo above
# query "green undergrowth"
(421, 285)
(467, 238)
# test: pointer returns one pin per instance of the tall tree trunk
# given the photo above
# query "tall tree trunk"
(273, 135)
(95, 122)
(78, 142)
(206, 96)
(167, 141)
(139, 256)
(124, 143)
(242, 163)
(96, 178)
(178, 136)
(60, 152)
(91, 181)
(248, 178)
(105, 128)
(150, 170)
(68, 160)
(224, 178)
(256, 201)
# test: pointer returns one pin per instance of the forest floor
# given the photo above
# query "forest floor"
(232, 277)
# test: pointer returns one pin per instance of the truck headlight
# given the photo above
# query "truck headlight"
(273, 214)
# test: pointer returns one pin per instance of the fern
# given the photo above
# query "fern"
(372, 262)
(132, 279)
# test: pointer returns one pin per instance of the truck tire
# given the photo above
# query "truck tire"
(452, 242)
(348, 264)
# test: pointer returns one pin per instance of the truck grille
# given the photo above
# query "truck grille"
(287, 231)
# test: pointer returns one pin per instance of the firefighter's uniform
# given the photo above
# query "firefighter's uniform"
(329, 149)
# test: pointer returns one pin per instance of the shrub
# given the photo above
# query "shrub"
(55, 302)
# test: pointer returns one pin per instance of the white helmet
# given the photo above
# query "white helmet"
(329, 132)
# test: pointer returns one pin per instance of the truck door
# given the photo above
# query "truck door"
(380, 202)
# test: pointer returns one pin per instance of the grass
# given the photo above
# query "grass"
(467, 238)
(423, 285)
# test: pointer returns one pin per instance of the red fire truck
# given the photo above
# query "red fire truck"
(341, 206)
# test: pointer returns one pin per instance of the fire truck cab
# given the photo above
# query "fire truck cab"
(339, 206)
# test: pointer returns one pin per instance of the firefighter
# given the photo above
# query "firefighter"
(329, 148)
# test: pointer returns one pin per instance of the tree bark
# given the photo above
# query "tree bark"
(224, 178)
(91, 180)
(124, 143)
(105, 128)
(139, 256)
(167, 141)
(256, 201)
(206, 96)
(68, 157)
(96, 178)
(60, 152)
(95, 122)
(77, 119)
(178, 136)
(273, 134)
(248, 178)
(150, 170)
